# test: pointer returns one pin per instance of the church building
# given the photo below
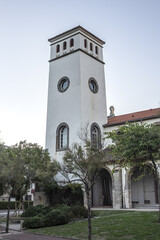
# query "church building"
(76, 97)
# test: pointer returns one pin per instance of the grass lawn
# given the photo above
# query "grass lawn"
(111, 225)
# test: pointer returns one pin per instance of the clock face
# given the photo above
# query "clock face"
(93, 85)
(63, 84)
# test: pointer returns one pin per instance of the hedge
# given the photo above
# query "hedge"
(39, 216)
(4, 204)
(33, 211)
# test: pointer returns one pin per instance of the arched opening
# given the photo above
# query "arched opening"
(71, 42)
(58, 48)
(102, 189)
(91, 47)
(143, 189)
(64, 45)
(85, 43)
(96, 50)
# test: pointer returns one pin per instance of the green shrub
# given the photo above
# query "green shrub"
(79, 211)
(46, 210)
(40, 216)
(55, 217)
(3, 205)
(13, 205)
(66, 210)
(33, 222)
(32, 211)
(69, 194)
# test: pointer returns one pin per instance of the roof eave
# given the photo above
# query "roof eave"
(131, 121)
(74, 30)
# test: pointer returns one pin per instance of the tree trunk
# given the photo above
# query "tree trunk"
(89, 212)
(8, 211)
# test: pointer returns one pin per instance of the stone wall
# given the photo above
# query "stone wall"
(117, 189)
(40, 198)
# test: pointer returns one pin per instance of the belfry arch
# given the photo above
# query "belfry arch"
(144, 190)
(140, 191)
(102, 189)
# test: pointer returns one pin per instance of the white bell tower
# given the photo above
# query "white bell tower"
(76, 91)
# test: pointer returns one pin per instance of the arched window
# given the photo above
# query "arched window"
(85, 43)
(95, 135)
(57, 48)
(91, 46)
(62, 137)
(71, 42)
(64, 45)
(96, 50)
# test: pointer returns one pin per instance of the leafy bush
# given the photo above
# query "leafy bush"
(40, 216)
(79, 211)
(55, 217)
(32, 211)
(66, 210)
(69, 194)
(45, 210)
(33, 222)
(4, 204)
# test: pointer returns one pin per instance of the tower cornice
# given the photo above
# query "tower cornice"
(73, 30)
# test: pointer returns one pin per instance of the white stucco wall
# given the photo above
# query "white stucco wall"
(77, 106)
(63, 107)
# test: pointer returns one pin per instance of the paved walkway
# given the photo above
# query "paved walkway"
(28, 236)
(17, 235)
(129, 209)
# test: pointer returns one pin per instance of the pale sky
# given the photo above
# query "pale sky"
(130, 28)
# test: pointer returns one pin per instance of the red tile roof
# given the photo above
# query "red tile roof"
(133, 117)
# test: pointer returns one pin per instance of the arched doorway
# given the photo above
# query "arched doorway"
(102, 189)
(143, 191)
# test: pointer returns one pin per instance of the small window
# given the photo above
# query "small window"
(95, 135)
(96, 50)
(62, 141)
(57, 48)
(64, 45)
(63, 84)
(93, 85)
(71, 42)
(91, 46)
(85, 43)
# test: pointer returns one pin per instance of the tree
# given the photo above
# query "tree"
(137, 145)
(21, 165)
(82, 162)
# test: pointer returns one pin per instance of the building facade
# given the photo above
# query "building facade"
(76, 98)
(123, 189)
